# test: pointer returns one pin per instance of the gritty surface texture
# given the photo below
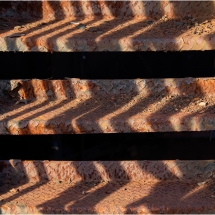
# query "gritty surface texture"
(107, 187)
(62, 9)
(108, 34)
(108, 106)
(67, 26)
(115, 197)
(15, 172)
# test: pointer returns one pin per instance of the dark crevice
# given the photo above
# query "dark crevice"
(137, 146)
(107, 65)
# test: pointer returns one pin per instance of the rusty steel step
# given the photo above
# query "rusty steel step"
(107, 187)
(106, 106)
(61, 26)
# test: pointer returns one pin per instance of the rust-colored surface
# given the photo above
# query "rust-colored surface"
(107, 187)
(106, 26)
(62, 9)
(108, 106)
(17, 171)
(109, 198)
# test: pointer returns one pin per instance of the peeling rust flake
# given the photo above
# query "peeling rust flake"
(107, 106)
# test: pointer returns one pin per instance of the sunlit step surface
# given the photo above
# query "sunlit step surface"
(107, 187)
(108, 34)
(107, 106)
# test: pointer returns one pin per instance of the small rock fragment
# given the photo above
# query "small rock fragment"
(81, 26)
(206, 21)
(22, 101)
(202, 111)
(17, 27)
(67, 78)
(14, 190)
(75, 23)
(165, 19)
(202, 183)
(195, 99)
(92, 29)
(202, 104)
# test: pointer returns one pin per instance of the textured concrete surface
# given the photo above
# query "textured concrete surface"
(106, 26)
(108, 106)
(143, 187)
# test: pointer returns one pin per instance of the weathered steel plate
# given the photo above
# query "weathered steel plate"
(107, 106)
(106, 26)
(107, 187)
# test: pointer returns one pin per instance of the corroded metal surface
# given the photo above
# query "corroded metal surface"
(107, 26)
(107, 187)
(108, 106)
